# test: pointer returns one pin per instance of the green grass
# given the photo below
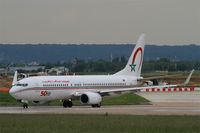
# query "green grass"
(125, 99)
(43, 123)
(7, 99)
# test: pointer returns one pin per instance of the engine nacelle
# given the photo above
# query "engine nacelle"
(90, 98)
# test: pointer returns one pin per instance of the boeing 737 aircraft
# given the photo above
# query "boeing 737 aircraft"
(89, 88)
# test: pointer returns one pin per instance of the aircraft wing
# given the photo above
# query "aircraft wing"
(157, 77)
(135, 89)
(105, 92)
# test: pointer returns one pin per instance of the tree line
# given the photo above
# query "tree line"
(78, 65)
(117, 64)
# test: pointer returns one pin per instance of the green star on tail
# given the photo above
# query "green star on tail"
(132, 67)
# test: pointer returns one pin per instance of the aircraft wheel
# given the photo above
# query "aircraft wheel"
(93, 105)
(67, 103)
(96, 105)
(25, 105)
(99, 105)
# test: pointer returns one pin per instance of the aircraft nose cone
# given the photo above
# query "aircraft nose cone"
(11, 91)
(14, 92)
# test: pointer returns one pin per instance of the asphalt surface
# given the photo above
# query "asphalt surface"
(155, 109)
(167, 103)
(172, 97)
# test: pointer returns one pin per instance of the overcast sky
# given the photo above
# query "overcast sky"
(100, 21)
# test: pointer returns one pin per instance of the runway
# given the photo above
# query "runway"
(167, 103)
(172, 97)
(155, 109)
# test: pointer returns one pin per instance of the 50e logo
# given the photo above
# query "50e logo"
(45, 93)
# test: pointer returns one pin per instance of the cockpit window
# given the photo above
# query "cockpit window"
(24, 85)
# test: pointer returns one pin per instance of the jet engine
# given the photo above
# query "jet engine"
(90, 98)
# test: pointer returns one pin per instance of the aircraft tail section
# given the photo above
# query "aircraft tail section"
(134, 65)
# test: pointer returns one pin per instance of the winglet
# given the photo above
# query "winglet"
(14, 78)
(188, 78)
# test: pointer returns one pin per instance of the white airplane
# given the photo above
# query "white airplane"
(89, 88)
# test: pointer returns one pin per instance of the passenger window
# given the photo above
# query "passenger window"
(25, 85)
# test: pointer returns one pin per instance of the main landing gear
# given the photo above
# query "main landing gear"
(67, 103)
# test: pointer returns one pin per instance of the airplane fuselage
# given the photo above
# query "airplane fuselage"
(45, 88)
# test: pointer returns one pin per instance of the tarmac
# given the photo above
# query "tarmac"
(167, 103)
(172, 97)
(154, 109)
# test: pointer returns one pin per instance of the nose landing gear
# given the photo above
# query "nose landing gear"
(25, 105)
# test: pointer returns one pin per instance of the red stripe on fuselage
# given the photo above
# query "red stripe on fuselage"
(30, 89)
